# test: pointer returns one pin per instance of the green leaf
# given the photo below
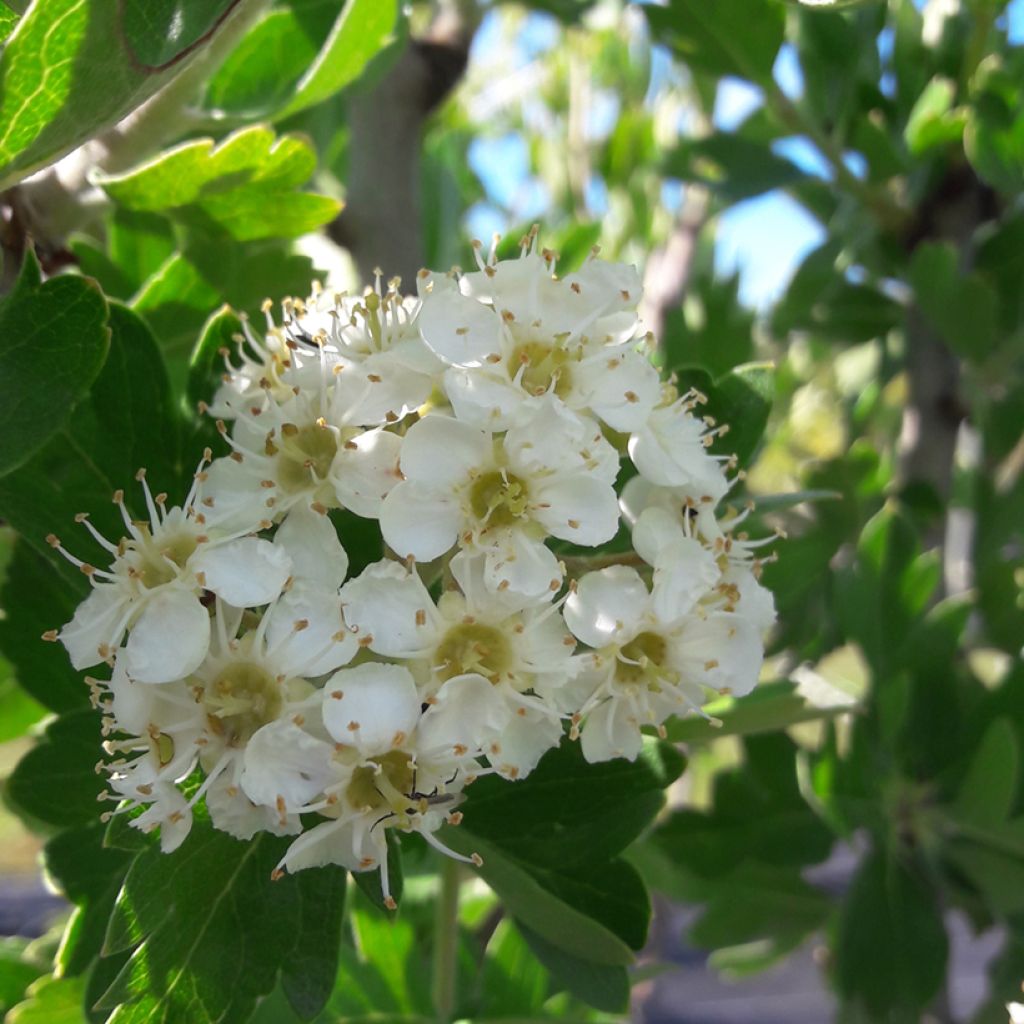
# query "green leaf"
(159, 32)
(569, 812)
(36, 598)
(244, 186)
(177, 301)
(758, 814)
(712, 327)
(90, 875)
(963, 309)
(382, 977)
(756, 915)
(53, 340)
(8, 21)
(933, 122)
(735, 167)
(890, 948)
(55, 781)
(742, 399)
(511, 981)
(601, 986)
(68, 71)
(18, 969)
(220, 332)
(363, 28)
(768, 708)
(530, 898)
(729, 37)
(139, 243)
(18, 710)
(986, 795)
(994, 135)
(294, 57)
(216, 931)
(51, 1001)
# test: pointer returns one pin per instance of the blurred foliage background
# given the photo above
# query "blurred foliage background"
(827, 202)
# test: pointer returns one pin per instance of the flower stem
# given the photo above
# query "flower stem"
(446, 940)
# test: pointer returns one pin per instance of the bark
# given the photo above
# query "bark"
(380, 225)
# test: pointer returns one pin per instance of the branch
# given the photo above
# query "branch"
(380, 225)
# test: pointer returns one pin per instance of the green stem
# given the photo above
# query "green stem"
(446, 940)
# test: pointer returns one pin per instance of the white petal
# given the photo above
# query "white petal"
(721, 651)
(311, 541)
(468, 713)
(246, 572)
(390, 605)
(372, 707)
(607, 605)
(282, 760)
(170, 638)
(756, 603)
(171, 813)
(639, 494)
(233, 812)
(95, 625)
(330, 842)
(621, 389)
(483, 398)
(611, 731)
(380, 389)
(685, 572)
(306, 634)
(460, 330)
(670, 452)
(468, 569)
(365, 470)
(580, 508)
(655, 528)
(522, 564)
(238, 497)
(524, 741)
(416, 521)
(548, 436)
(441, 452)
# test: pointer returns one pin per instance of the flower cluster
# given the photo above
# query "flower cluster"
(484, 426)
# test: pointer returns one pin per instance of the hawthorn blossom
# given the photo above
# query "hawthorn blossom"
(646, 665)
(153, 589)
(369, 774)
(478, 656)
(513, 330)
(501, 495)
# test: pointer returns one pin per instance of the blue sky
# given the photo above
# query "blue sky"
(764, 238)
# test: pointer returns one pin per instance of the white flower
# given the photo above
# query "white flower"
(371, 770)
(480, 658)
(513, 331)
(301, 456)
(501, 496)
(671, 450)
(644, 668)
(154, 586)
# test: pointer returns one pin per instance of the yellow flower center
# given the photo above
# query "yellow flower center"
(474, 647)
(498, 498)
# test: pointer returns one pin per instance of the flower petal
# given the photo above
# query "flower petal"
(417, 522)
(607, 605)
(373, 707)
(517, 562)
(170, 638)
(283, 761)
(311, 541)
(467, 714)
(458, 329)
(306, 634)
(442, 452)
(611, 731)
(94, 627)
(246, 573)
(577, 507)
(390, 609)
(365, 470)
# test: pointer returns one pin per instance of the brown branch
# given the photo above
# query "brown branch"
(380, 225)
